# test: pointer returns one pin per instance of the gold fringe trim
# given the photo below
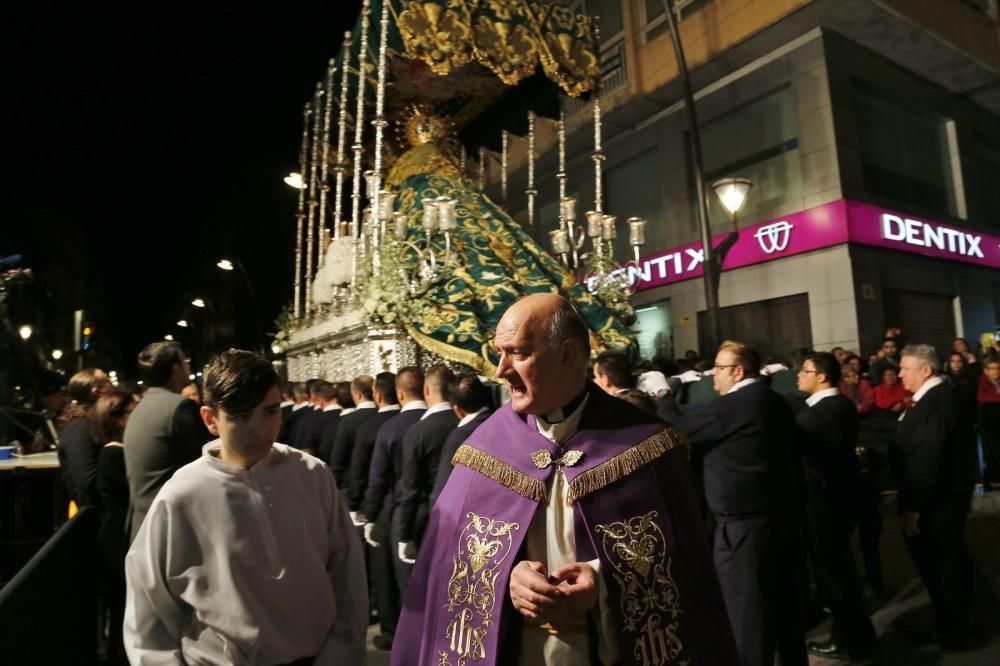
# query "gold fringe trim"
(624, 463)
(501, 472)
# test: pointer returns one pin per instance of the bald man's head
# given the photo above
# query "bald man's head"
(544, 346)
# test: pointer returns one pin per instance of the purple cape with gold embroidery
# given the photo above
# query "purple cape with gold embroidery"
(634, 507)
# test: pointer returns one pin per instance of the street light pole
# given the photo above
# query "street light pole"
(712, 267)
(227, 265)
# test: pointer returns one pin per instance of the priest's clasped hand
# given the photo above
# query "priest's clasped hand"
(571, 589)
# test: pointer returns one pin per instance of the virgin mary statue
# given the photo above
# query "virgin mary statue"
(454, 310)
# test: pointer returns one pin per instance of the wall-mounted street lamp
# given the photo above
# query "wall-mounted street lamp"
(198, 302)
(183, 323)
(57, 354)
(732, 193)
(25, 332)
(225, 264)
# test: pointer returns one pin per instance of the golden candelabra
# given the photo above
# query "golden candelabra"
(324, 182)
(300, 216)
(380, 202)
(359, 128)
(338, 203)
(313, 202)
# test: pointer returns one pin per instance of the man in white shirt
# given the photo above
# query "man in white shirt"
(247, 555)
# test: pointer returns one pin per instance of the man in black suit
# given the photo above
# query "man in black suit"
(384, 393)
(327, 411)
(828, 427)
(347, 430)
(307, 416)
(381, 497)
(421, 454)
(287, 402)
(934, 464)
(746, 437)
(613, 372)
(470, 401)
(300, 399)
(343, 404)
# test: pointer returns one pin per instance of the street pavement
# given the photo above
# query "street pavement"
(908, 608)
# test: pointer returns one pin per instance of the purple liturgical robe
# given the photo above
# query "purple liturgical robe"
(634, 508)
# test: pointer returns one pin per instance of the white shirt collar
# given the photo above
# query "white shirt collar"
(440, 407)
(928, 385)
(366, 404)
(388, 408)
(819, 395)
(564, 429)
(744, 382)
(347, 411)
(299, 405)
(286, 403)
(414, 404)
(332, 407)
(468, 418)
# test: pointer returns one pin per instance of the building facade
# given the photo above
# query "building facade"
(871, 131)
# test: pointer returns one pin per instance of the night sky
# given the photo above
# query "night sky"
(143, 142)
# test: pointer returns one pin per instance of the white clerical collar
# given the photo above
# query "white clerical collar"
(388, 408)
(287, 403)
(469, 418)
(440, 407)
(740, 384)
(414, 404)
(565, 427)
(332, 407)
(819, 395)
(928, 385)
(299, 405)
(366, 404)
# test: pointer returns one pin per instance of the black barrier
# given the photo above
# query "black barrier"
(48, 611)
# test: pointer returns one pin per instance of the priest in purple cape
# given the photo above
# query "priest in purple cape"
(569, 531)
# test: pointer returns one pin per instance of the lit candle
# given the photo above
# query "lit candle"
(608, 227)
(636, 231)
(430, 214)
(594, 220)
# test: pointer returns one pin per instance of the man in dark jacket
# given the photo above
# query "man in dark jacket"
(289, 418)
(747, 437)
(384, 393)
(421, 454)
(347, 430)
(934, 465)
(381, 497)
(165, 432)
(471, 402)
(326, 412)
(828, 427)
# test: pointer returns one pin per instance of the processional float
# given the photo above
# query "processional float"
(426, 263)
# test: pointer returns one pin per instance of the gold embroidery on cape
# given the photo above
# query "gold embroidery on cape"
(511, 38)
(483, 546)
(501, 472)
(624, 463)
(649, 603)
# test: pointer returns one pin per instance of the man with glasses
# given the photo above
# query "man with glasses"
(746, 439)
(829, 434)
(165, 432)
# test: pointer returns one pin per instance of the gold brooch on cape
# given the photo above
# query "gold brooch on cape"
(543, 459)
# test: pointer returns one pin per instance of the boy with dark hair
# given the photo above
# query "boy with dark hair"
(247, 555)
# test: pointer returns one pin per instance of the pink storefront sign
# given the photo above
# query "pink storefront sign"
(831, 224)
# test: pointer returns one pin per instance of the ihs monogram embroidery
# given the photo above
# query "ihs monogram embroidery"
(485, 543)
(650, 606)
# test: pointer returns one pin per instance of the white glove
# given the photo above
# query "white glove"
(652, 382)
(772, 368)
(690, 376)
(369, 528)
(357, 518)
(407, 552)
